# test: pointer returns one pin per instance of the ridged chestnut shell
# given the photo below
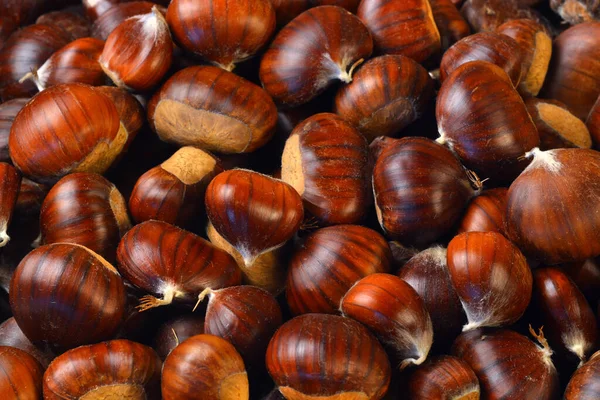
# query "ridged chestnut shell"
(21, 376)
(444, 377)
(486, 212)
(584, 382)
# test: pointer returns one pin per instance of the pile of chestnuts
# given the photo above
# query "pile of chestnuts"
(300, 199)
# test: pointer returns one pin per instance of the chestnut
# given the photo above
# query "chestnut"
(572, 77)
(71, 22)
(491, 277)
(318, 47)
(556, 125)
(8, 112)
(446, 378)
(236, 116)
(85, 209)
(59, 288)
(30, 198)
(253, 212)
(404, 27)
(493, 129)
(568, 318)
(7, 27)
(327, 161)
(387, 94)
(118, 13)
(130, 111)
(427, 273)
(486, 212)
(172, 191)
(451, 25)
(509, 365)
(492, 47)
(219, 32)
(287, 10)
(66, 128)
(586, 276)
(10, 183)
(21, 376)
(95, 8)
(488, 15)
(117, 369)
(166, 261)
(331, 261)
(548, 215)
(245, 316)
(536, 50)
(584, 382)
(592, 123)
(420, 190)
(318, 356)
(204, 365)
(576, 11)
(393, 310)
(176, 330)
(12, 336)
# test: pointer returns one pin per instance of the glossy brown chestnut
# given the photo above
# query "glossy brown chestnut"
(174, 191)
(586, 276)
(592, 123)
(286, 10)
(488, 15)
(483, 119)
(556, 125)
(85, 209)
(72, 23)
(386, 95)
(253, 212)
(548, 215)
(584, 382)
(320, 46)
(573, 76)
(420, 190)
(491, 277)
(21, 377)
(451, 25)
(12, 336)
(509, 365)
(393, 310)
(95, 8)
(486, 212)
(10, 183)
(207, 365)
(117, 369)
(404, 27)
(236, 116)
(329, 262)
(316, 356)
(576, 11)
(76, 62)
(245, 316)
(30, 198)
(130, 110)
(59, 288)
(8, 112)
(24, 52)
(427, 273)
(219, 32)
(172, 263)
(536, 50)
(444, 378)
(113, 16)
(327, 161)
(569, 320)
(175, 331)
(492, 47)
(66, 128)
(138, 52)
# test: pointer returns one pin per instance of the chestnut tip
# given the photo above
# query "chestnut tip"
(4, 238)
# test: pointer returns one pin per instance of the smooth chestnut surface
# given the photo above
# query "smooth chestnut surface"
(66, 128)
(492, 47)
(584, 382)
(327, 161)
(482, 118)
(207, 365)
(346, 252)
(572, 77)
(568, 318)
(592, 122)
(320, 46)
(21, 376)
(8, 112)
(59, 288)
(386, 95)
(286, 10)
(315, 356)
(444, 378)
(393, 310)
(486, 212)
(10, 184)
(129, 108)
(420, 190)
(586, 276)
(76, 25)
(117, 369)
(85, 209)
(404, 27)
(219, 32)
(12, 336)
(175, 331)
(114, 16)
(451, 25)
(491, 277)
(548, 215)
(174, 190)
(508, 365)
(213, 109)
(172, 263)
(253, 212)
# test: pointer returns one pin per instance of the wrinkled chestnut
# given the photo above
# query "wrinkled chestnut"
(21, 376)
(444, 378)
(486, 212)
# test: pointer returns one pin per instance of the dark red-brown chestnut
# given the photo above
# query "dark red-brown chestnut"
(12, 336)
(486, 212)
(444, 378)
(173, 332)
(73, 23)
(287, 10)
(21, 377)
(592, 123)
(586, 276)
(114, 16)
(8, 112)
(10, 184)
(584, 382)
(130, 111)
(318, 356)
(488, 15)
(451, 25)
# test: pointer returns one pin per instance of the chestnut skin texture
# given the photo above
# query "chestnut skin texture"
(8, 112)
(112, 18)
(129, 108)
(488, 15)
(330, 262)
(486, 212)
(584, 382)
(592, 122)
(451, 25)
(444, 378)
(76, 25)
(12, 336)
(287, 10)
(316, 355)
(175, 331)
(21, 377)
(115, 369)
